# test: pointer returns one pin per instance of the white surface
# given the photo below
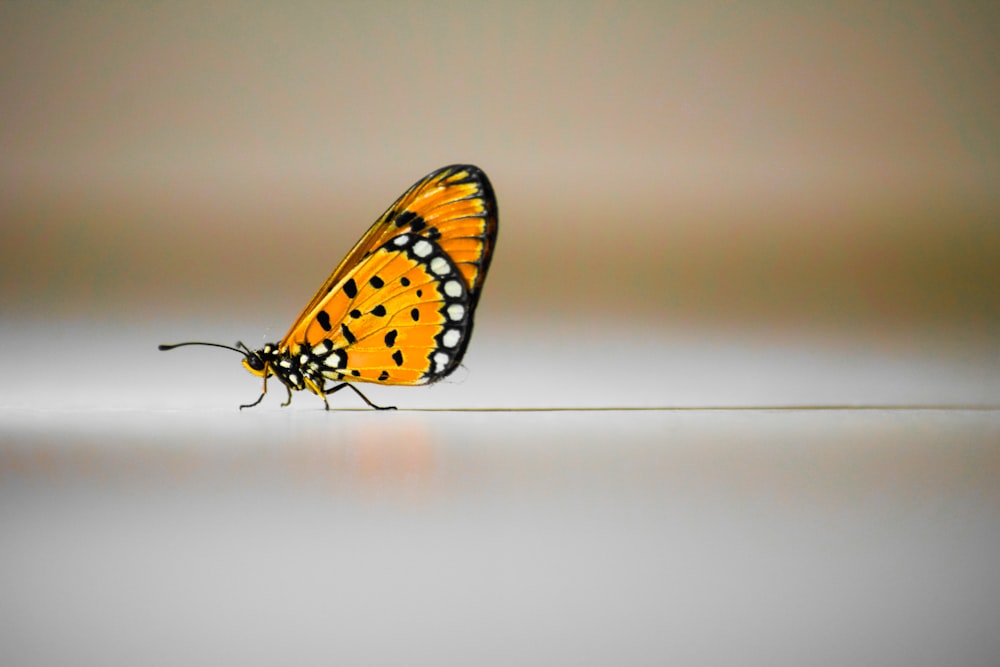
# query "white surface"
(147, 521)
(823, 538)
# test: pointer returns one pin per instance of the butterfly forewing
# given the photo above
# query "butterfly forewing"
(399, 307)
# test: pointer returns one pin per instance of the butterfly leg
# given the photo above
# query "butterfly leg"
(316, 389)
(358, 392)
(259, 398)
(257, 402)
(264, 392)
(288, 388)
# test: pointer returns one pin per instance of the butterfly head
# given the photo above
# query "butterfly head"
(259, 362)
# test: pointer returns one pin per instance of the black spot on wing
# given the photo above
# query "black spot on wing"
(411, 219)
(348, 334)
(324, 320)
(351, 288)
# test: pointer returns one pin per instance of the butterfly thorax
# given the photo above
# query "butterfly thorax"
(299, 366)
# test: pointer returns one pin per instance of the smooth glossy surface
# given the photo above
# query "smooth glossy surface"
(138, 533)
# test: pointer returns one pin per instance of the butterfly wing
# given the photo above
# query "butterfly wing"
(398, 309)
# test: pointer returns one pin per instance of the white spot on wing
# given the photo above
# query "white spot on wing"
(440, 266)
(451, 337)
(422, 248)
(456, 311)
(401, 240)
(440, 362)
(453, 288)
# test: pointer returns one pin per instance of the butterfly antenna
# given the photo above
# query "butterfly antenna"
(242, 349)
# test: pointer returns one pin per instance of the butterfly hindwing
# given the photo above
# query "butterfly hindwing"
(398, 309)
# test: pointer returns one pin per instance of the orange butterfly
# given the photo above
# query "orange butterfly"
(398, 309)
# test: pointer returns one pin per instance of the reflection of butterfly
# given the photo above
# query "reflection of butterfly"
(398, 309)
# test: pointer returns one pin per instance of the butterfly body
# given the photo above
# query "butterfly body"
(398, 310)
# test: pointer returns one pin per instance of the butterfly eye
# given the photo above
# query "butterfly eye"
(255, 362)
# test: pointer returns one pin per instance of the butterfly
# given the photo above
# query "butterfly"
(398, 308)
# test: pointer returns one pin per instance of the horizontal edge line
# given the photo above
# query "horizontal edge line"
(717, 408)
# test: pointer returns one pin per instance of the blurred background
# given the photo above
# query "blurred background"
(701, 205)
(829, 168)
